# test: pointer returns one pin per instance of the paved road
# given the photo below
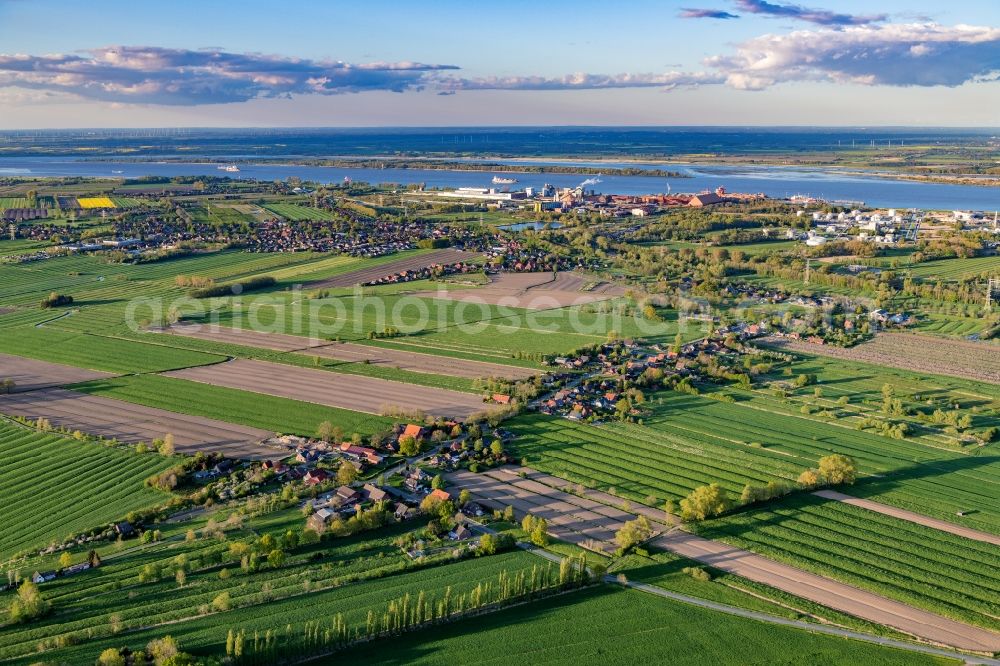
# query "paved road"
(909, 516)
(832, 594)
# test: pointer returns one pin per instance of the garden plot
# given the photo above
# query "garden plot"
(353, 392)
(536, 291)
(381, 270)
(978, 361)
(128, 422)
(29, 374)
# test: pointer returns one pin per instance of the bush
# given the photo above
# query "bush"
(222, 602)
(698, 574)
(55, 300)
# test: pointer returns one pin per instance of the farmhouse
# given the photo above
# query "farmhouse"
(315, 477)
(360, 453)
(318, 521)
(346, 495)
(460, 533)
(413, 430)
(404, 512)
(124, 529)
(439, 494)
(374, 494)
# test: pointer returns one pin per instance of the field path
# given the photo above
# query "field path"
(350, 352)
(832, 594)
(354, 392)
(910, 516)
(579, 519)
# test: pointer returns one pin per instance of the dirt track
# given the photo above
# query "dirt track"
(363, 275)
(830, 593)
(30, 375)
(574, 519)
(535, 291)
(131, 423)
(354, 353)
(979, 361)
(917, 518)
(357, 393)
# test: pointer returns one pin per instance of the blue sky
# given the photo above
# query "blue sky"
(75, 64)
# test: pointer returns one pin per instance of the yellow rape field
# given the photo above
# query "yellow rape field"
(95, 202)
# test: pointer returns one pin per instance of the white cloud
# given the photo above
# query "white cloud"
(152, 75)
(919, 54)
(913, 54)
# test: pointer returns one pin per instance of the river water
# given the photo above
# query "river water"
(774, 181)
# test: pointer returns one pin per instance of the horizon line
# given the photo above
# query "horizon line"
(493, 127)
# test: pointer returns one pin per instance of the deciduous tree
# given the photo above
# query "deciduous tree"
(705, 501)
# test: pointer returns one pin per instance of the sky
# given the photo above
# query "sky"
(443, 63)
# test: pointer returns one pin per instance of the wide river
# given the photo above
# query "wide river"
(774, 181)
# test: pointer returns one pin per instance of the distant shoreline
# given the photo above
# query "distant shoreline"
(561, 165)
(411, 163)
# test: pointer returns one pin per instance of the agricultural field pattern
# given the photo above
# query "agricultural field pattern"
(255, 420)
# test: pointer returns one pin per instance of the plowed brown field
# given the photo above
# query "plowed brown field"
(354, 392)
